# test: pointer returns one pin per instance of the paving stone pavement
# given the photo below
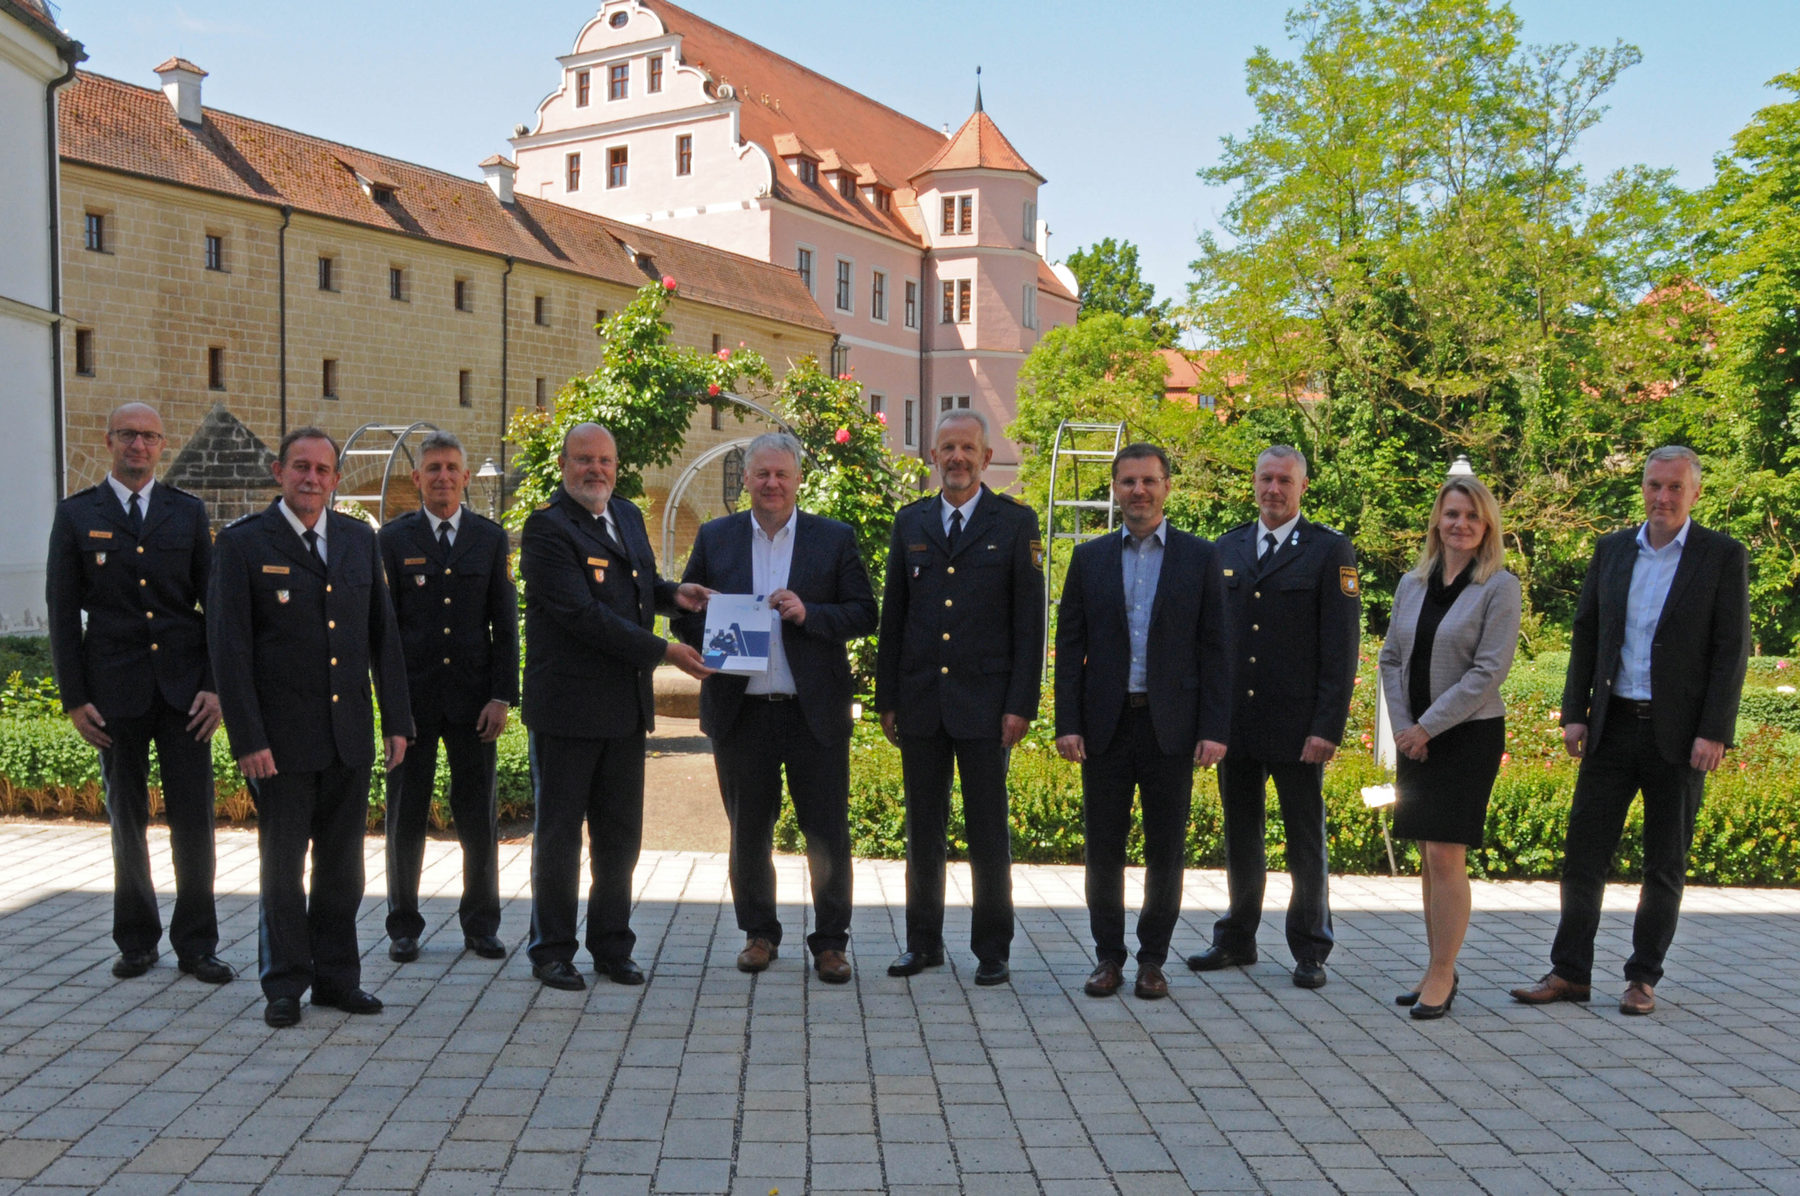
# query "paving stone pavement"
(477, 1079)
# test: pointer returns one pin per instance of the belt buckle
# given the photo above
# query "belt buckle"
(1137, 701)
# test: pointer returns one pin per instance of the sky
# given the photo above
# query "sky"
(1118, 105)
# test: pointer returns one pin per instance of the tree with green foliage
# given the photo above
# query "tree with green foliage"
(1111, 282)
(1415, 266)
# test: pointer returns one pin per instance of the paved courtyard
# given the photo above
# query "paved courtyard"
(476, 1079)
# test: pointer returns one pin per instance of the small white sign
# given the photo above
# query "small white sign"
(738, 627)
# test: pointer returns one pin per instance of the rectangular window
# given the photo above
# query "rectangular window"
(617, 162)
(949, 225)
(1030, 222)
(583, 88)
(684, 154)
(215, 368)
(965, 215)
(964, 292)
(215, 251)
(325, 272)
(538, 391)
(84, 352)
(599, 321)
(465, 389)
(845, 280)
(717, 421)
(840, 359)
(572, 172)
(912, 304)
(803, 263)
(911, 424)
(618, 80)
(465, 295)
(397, 283)
(94, 232)
(653, 73)
(540, 311)
(877, 404)
(328, 379)
(808, 171)
(1028, 308)
(878, 296)
(947, 403)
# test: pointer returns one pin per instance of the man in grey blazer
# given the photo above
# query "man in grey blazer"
(1656, 667)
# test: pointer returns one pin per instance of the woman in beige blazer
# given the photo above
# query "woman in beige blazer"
(1448, 648)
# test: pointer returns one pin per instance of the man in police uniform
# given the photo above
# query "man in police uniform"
(459, 621)
(592, 595)
(1292, 588)
(133, 554)
(956, 683)
(298, 617)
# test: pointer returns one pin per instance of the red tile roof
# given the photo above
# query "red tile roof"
(781, 99)
(179, 64)
(116, 126)
(978, 144)
(1048, 281)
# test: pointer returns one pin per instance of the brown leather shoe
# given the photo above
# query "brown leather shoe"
(1551, 989)
(756, 955)
(1105, 980)
(831, 966)
(1151, 985)
(1638, 1000)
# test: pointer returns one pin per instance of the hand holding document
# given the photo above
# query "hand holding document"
(738, 627)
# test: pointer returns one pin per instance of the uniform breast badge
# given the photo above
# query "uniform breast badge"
(600, 564)
(1347, 581)
(281, 596)
(1037, 555)
(99, 558)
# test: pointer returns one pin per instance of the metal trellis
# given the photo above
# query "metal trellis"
(1067, 518)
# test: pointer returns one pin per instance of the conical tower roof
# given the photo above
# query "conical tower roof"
(979, 144)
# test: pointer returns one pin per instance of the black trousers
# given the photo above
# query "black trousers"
(307, 941)
(473, 791)
(767, 738)
(1301, 793)
(1165, 783)
(926, 763)
(187, 792)
(601, 782)
(1625, 762)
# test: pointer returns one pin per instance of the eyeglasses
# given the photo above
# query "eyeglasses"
(131, 435)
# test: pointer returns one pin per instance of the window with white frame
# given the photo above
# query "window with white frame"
(684, 153)
(583, 88)
(958, 300)
(1031, 222)
(910, 424)
(846, 272)
(948, 403)
(878, 296)
(618, 81)
(618, 164)
(1028, 308)
(803, 264)
(878, 405)
(572, 172)
(912, 304)
(653, 73)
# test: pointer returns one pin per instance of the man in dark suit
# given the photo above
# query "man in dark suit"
(133, 555)
(956, 683)
(298, 619)
(591, 598)
(1143, 694)
(459, 622)
(1295, 601)
(1656, 666)
(795, 717)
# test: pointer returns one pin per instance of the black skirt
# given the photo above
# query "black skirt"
(1444, 798)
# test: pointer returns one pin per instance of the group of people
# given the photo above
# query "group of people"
(1173, 653)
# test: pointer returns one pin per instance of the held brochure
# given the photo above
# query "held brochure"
(738, 627)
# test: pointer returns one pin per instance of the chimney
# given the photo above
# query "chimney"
(181, 83)
(499, 174)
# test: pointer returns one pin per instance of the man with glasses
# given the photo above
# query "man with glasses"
(133, 554)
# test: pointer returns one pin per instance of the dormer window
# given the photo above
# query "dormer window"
(381, 194)
(876, 197)
(806, 169)
(845, 183)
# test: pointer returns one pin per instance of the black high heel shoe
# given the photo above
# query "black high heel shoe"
(1428, 1013)
(1404, 999)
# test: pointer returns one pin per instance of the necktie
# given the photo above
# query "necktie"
(312, 545)
(955, 528)
(1268, 545)
(444, 535)
(137, 516)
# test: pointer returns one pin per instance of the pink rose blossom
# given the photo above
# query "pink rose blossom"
(668, 282)
(881, 418)
(843, 435)
(724, 354)
(712, 388)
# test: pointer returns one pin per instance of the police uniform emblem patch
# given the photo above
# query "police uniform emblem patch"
(99, 558)
(418, 579)
(281, 596)
(1037, 555)
(1347, 581)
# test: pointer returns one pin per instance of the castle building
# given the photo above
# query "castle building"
(247, 279)
(925, 250)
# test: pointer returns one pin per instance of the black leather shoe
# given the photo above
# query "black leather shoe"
(404, 949)
(1405, 999)
(1216, 958)
(209, 969)
(1309, 973)
(911, 963)
(557, 974)
(1422, 1012)
(283, 1012)
(485, 945)
(354, 1001)
(621, 970)
(992, 971)
(133, 963)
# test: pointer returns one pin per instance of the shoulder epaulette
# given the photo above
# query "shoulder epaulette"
(1240, 527)
(919, 502)
(1321, 527)
(178, 490)
(544, 506)
(1007, 497)
(84, 493)
(242, 519)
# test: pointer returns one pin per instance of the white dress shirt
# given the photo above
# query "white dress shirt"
(1281, 534)
(124, 493)
(1651, 575)
(968, 509)
(771, 557)
(455, 522)
(300, 528)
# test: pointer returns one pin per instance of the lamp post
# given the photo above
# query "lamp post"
(1460, 468)
(491, 472)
